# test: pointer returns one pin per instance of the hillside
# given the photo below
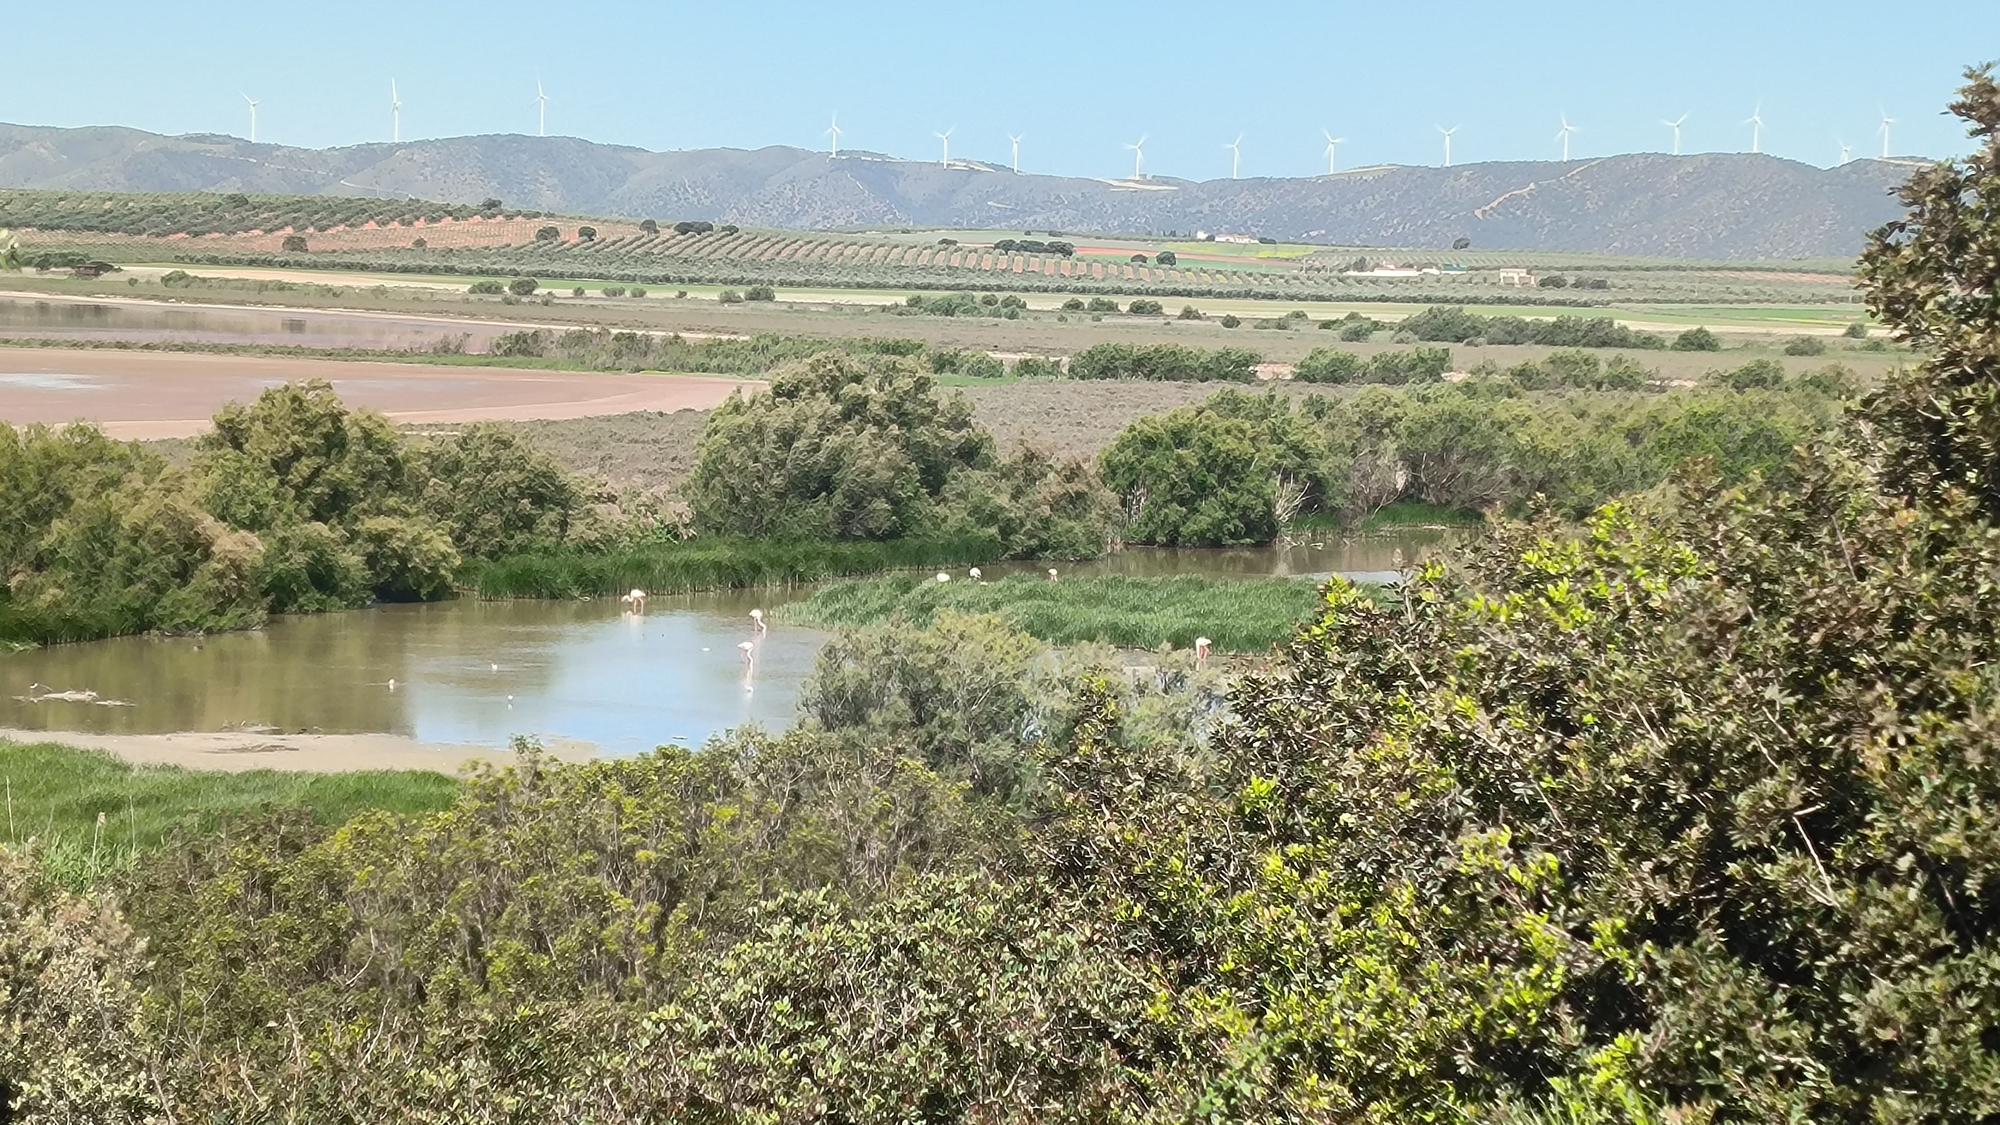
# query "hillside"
(1712, 206)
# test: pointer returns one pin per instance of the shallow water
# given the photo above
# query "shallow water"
(35, 318)
(576, 671)
(581, 671)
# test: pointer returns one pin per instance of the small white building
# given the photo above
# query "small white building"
(1518, 278)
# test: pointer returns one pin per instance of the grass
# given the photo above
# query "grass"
(1238, 615)
(91, 814)
(711, 564)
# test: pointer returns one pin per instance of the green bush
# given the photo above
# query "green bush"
(1805, 345)
(1697, 340)
(1230, 320)
(523, 286)
(1143, 306)
(486, 287)
(1163, 362)
(760, 293)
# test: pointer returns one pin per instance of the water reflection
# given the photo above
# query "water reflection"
(464, 672)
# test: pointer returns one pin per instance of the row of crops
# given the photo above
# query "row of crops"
(159, 214)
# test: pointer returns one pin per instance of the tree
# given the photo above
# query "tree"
(295, 244)
(495, 495)
(547, 234)
(1461, 243)
(1167, 258)
(649, 226)
(1139, 259)
(419, 243)
(842, 446)
(1190, 478)
(490, 204)
(586, 234)
(522, 286)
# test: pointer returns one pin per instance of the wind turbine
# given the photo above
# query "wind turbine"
(1756, 123)
(253, 117)
(1886, 122)
(1138, 148)
(833, 130)
(1563, 136)
(395, 114)
(1846, 150)
(1016, 138)
(1235, 148)
(542, 99)
(1675, 125)
(1447, 142)
(946, 138)
(1332, 149)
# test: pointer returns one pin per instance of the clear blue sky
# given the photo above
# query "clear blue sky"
(1078, 79)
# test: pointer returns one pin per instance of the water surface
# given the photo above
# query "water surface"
(154, 323)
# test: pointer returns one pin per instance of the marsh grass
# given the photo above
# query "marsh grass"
(90, 815)
(712, 564)
(1238, 615)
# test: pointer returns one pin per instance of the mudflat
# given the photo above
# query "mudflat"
(174, 394)
(234, 751)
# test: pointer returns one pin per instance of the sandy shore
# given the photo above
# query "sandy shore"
(313, 753)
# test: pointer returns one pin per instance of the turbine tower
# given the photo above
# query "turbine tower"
(1675, 125)
(1016, 138)
(833, 130)
(1235, 148)
(395, 114)
(1332, 149)
(1138, 148)
(1846, 150)
(542, 100)
(1756, 123)
(946, 138)
(1447, 142)
(1563, 135)
(1886, 122)
(253, 117)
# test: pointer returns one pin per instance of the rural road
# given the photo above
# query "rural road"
(173, 394)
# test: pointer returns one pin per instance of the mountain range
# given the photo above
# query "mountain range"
(1732, 206)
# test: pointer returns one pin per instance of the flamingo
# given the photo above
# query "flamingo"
(757, 620)
(943, 577)
(973, 574)
(635, 601)
(1201, 652)
(1052, 574)
(749, 651)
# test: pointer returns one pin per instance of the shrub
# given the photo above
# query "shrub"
(177, 279)
(578, 291)
(636, 291)
(1100, 305)
(1189, 312)
(486, 287)
(729, 297)
(1073, 304)
(522, 286)
(1697, 340)
(613, 290)
(294, 244)
(760, 293)
(547, 234)
(1036, 367)
(1168, 362)
(1856, 331)
(586, 234)
(1141, 306)
(1805, 345)
(1230, 320)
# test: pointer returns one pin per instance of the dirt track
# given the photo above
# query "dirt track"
(159, 394)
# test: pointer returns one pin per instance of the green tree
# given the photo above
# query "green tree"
(1190, 478)
(295, 244)
(1697, 340)
(841, 446)
(523, 286)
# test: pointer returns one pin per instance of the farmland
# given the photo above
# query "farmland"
(415, 237)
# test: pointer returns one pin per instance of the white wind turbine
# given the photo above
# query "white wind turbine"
(1563, 135)
(1846, 150)
(253, 117)
(542, 100)
(1886, 122)
(946, 138)
(1235, 148)
(1447, 142)
(833, 130)
(1756, 123)
(1675, 125)
(1016, 138)
(1138, 148)
(1332, 149)
(395, 114)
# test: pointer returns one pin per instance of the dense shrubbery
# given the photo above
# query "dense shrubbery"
(1164, 362)
(1455, 325)
(863, 447)
(1238, 467)
(293, 504)
(1331, 365)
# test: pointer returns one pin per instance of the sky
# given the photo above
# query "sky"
(1077, 80)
